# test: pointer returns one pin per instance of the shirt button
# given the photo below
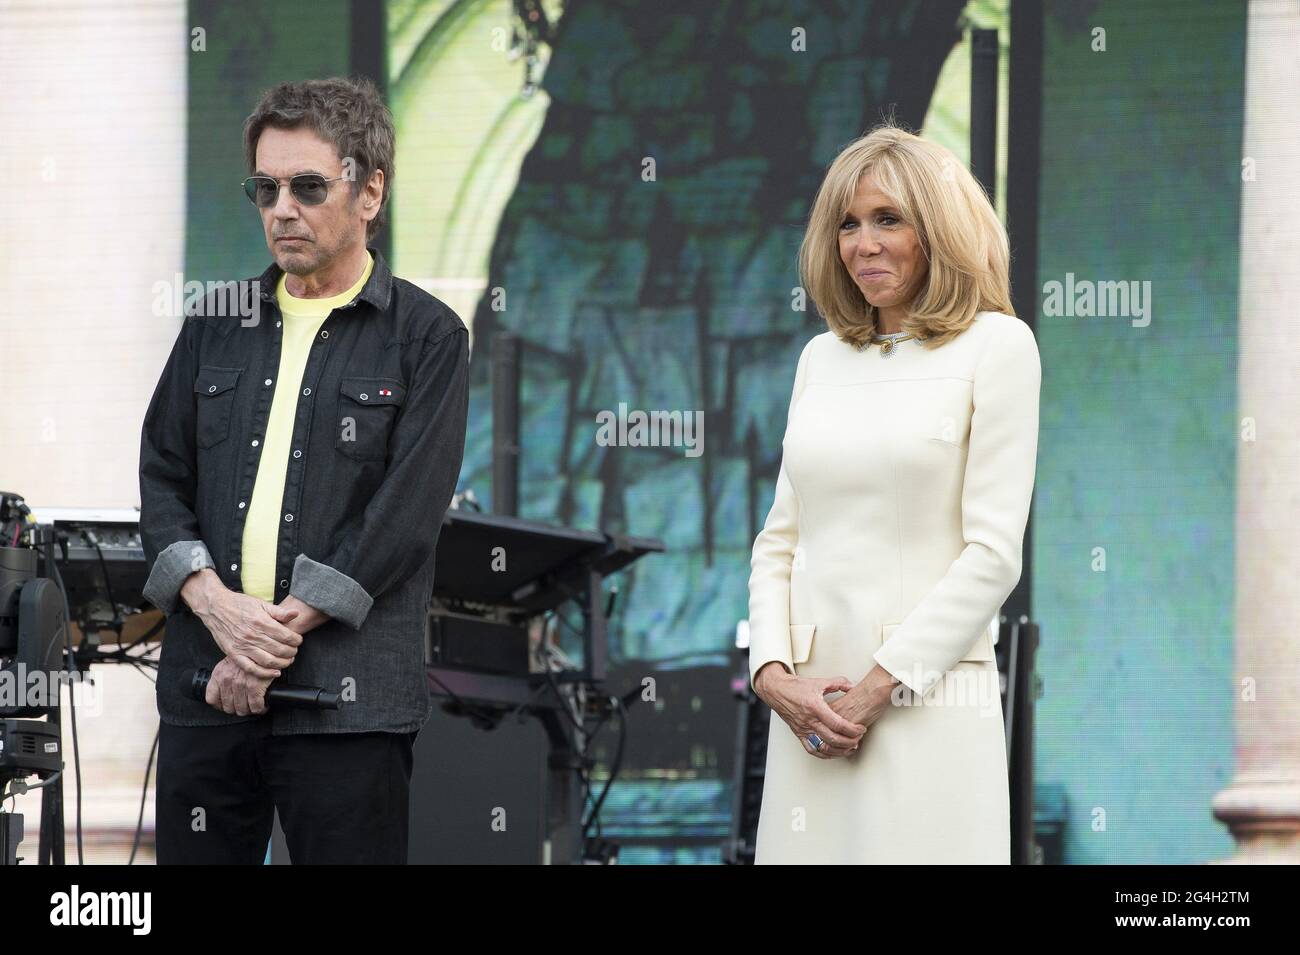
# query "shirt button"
(254, 442)
(306, 391)
(297, 454)
(234, 567)
(268, 381)
(211, 388)
(324, 334)
(277, 324)
(284, 583)
(241, 505)
(288, 517)
(364, 396)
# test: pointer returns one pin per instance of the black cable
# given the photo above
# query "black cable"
(614, 767)
(589, 737)
(28, 787)
(72, 705)
(129, 659)
(595, 806)
(583, 776)
(147, 658)
(124, 650)
(488, 716)
(555, 686)
(121, 654)
(578, 725)
(139, 823)
(530, 702)
(108, 584)
(145, 673)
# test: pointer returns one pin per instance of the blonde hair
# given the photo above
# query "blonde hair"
(959, 231)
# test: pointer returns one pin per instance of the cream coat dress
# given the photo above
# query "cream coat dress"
(894, 538)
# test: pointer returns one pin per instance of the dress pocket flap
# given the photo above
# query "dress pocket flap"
(801, 637)
(374, 391)
(213, 381)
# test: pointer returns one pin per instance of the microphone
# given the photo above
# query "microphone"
(194, 684)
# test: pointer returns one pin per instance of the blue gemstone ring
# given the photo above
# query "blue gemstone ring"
(815, 740)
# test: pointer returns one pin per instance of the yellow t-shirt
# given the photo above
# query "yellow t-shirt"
(303, 318)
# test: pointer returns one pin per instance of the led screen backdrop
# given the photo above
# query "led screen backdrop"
(1140, 181)
(624, 186)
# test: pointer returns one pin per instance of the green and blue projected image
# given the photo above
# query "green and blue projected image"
(624, 187)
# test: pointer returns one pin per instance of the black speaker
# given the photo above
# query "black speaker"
(477, 795)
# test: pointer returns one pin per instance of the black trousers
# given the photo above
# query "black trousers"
(342, 798)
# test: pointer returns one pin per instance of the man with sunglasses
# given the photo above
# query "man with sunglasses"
(294, 473)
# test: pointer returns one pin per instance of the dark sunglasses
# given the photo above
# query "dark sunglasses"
(309, 188)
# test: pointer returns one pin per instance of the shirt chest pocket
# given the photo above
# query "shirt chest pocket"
(214, 393)
(367, 408)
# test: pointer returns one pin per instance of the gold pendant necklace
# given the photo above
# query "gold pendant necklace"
(887, 344)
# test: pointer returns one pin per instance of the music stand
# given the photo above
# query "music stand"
(546, 566)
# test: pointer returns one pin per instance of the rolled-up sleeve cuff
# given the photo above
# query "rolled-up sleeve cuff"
(330, 591)
(170, 570)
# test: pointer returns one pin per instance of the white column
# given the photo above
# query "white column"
(1262, 804)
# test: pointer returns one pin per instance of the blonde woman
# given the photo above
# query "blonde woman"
(896, 530)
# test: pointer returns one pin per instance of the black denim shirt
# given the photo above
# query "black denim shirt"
(378, 437)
